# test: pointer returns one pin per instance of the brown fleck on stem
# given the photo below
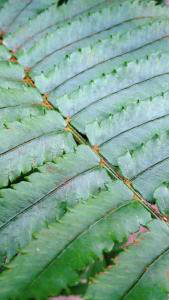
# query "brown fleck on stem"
(68, 120)
(13, 59)
(46, 103)
(67, 129)
(102, 163)
(29, 81)
(96, 149)
(127, 182)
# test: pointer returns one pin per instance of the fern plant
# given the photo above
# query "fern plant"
(84, 152)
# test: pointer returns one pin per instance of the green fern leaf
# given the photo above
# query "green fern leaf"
(84, 149)
(149, 280)
(48, 192)
(104, 48)
(101, 16)
(19, 139)
(79, 225)
(111, 77)
(4, 53)
(38, 25)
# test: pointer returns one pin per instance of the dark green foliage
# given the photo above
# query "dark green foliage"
(62, 1)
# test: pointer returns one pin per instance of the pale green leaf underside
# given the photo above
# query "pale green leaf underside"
(94, 73)
(4, 53)
(47, 192)
(100, 48)
(39, 24)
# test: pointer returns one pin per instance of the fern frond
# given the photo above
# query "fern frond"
(117, 146)
(11, 84)
(110, 77)
(84, 149)
(133, 115)
(4, 53)
(150, 179)
(57, 57)
(140, 272)
(102, 47)
(67, 33)
(145, 156)
(15, 97)
(11, 71)
(23, 140)
(33, 154)
(43, 23)
(78, 228)
(32, 10)
(18, 113)
(46, 193)
(161, 195)
(116, 102)
(9, 12)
